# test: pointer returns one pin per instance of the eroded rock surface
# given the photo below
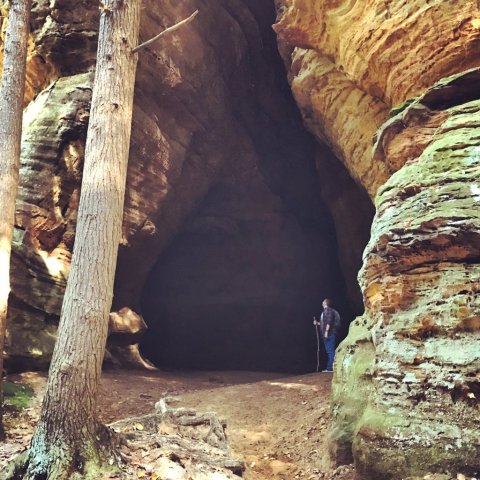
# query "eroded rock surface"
(421, 282)
(219, 158)
(351, 62)
(406, 386)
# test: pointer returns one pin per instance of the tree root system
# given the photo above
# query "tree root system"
(177, 441)
(168, 443)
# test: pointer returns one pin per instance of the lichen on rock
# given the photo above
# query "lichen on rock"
(420, 281)
(406, 384)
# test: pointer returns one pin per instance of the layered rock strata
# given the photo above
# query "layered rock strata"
(415, 353)
(350, 62)
(406, 384)
(212, 114)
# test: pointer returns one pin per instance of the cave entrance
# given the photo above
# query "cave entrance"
(239, 285)
(282, 226)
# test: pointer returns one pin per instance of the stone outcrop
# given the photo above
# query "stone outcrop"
(219, 162)
(406, 384)
(351, 62)
(421, 282)
(414, 355)
(52, 155)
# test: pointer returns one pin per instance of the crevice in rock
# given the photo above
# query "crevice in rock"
(238, 285)
(236, 223)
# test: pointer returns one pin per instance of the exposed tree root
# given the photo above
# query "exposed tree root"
(181, 438)
(86, 460)
(169, 440)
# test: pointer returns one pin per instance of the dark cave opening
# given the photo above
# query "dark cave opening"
(238, 287)
(240, 282)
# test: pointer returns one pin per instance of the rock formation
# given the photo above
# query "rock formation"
(222, 193)
(406, 383)
(236, 222)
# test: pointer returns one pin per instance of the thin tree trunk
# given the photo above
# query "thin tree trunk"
(11, 112)
(68, 437)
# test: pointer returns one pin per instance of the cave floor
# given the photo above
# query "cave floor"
(276, 423)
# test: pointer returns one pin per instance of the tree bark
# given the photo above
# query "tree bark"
(68, 437)
(11, 112)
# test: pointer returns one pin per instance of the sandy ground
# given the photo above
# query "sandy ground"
(276, 424)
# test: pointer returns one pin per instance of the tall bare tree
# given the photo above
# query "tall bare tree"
(12, 93)
(69, 440)
(68, 437)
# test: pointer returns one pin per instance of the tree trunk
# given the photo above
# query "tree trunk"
(68, 437)
(11, 112)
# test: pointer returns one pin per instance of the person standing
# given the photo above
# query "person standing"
(329, 324)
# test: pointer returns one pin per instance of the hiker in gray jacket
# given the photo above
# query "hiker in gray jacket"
(329, 325)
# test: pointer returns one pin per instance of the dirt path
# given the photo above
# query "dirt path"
(277, 424)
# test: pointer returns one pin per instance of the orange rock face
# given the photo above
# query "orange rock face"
(407, 377)
(351, 62)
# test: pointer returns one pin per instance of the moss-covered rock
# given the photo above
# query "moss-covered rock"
(350, 388)
(420, 282)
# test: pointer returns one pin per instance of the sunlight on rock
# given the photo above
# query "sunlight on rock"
(36, 352)
(55, 266)
(475, 189)
(33, 109)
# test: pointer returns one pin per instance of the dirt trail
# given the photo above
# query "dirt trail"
(276, 423)
(277, 426)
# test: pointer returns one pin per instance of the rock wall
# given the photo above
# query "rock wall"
(406, 381)
(351, 62)
(219, 158)
(421, 282)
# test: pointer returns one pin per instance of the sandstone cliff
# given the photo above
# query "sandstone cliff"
(222, 192)
(407, 376)
(236, 222)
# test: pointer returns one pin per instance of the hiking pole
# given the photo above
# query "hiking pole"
(318, 343)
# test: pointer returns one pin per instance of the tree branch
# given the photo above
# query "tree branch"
(168, 30)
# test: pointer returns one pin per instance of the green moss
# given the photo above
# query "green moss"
(350, 388)
(16, 394)
(402, 106)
